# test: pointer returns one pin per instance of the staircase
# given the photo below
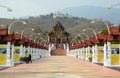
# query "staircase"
(58, 52)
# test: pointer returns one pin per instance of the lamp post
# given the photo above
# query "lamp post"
(43, 52)
(87, 48)
(22, 48)
(110, 7)
(85, 35)
(25, 30)
(10, 47)
(94, 48)
(8, 9)
(73, 53)
(108, 28)
(37, 38)
(83, 48)
(34, 34)
(107, 46)
(81, 37)
(81, 52)
(11, 24)
(92, 30)
(35, 49)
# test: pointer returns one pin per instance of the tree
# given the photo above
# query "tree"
(104, 31)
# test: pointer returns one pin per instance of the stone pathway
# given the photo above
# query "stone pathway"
(59, 67)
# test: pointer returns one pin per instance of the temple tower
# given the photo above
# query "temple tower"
(58, 37)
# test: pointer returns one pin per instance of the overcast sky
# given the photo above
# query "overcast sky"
(39, 7)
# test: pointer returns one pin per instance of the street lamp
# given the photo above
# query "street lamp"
(94, 48)
(111, 6)
(38, 38)
(92, 30)
(81, 37)
(34, 34)
(22, 48)
(87, 48)
(86, 36)
(108, 28)
(8, 9)
(107, 46)
(25, 30)
(11, 24)
(81, 50)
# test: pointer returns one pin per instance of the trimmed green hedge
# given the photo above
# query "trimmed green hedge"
(24, 59)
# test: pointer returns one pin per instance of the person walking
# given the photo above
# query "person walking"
(29, 58)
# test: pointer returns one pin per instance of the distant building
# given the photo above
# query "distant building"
(58, 35)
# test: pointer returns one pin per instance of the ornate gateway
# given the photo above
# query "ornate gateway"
(58, 35)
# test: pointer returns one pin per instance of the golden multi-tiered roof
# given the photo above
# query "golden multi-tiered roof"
(58, 34)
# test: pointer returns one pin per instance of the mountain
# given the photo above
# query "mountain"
(45, 23)
(94, 12)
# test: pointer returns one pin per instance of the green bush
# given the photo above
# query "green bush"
(23, 58)
(90, 59)
(40, 56)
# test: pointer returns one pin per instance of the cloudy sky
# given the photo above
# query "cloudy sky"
(23, 8)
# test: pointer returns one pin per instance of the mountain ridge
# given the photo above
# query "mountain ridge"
(94, 12)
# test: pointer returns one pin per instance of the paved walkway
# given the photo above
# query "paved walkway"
(59, 67)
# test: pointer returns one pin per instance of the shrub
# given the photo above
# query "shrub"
(23, 59)
(90, 59)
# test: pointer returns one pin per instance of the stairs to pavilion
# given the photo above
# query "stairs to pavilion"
(58, 52)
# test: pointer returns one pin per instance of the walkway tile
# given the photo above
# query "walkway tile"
(59, 67)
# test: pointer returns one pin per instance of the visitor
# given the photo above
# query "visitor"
(29, 58)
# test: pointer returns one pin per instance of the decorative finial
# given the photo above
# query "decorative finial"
(58, 21)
